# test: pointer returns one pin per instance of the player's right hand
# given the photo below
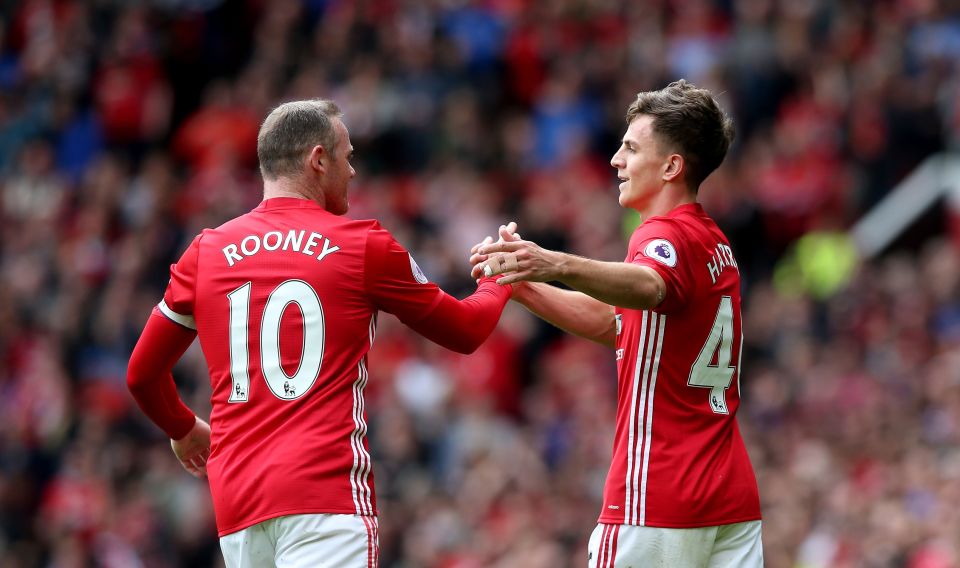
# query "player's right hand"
(193, 449)
(508, 233)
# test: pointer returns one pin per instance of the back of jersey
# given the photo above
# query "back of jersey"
(679, 460)
(285, 324)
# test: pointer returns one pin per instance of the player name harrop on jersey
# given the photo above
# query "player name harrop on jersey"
(722, 257)
(313, 244)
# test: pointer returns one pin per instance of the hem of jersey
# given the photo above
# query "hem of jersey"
(267, 516)
(693, 525)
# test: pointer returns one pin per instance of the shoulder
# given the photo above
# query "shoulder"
(657, 235)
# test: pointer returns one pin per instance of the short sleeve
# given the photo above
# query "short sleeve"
(177, 302)
(395, 282)
(658, 245)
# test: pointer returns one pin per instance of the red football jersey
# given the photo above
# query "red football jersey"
(284, 300)
(678, 458)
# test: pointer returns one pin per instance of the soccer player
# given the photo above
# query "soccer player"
(680, 492)
(284, 300)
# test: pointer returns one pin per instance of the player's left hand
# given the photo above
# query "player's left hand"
(193, 449)
(518, 260)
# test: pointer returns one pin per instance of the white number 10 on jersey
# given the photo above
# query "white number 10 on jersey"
(717, 377)
(282, 385)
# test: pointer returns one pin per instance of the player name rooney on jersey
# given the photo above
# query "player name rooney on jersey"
(271, 241)
(678, 458)
(286, 340)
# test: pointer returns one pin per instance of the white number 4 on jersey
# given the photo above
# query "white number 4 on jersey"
(719, 343)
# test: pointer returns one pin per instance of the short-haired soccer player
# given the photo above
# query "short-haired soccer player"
(284, 300)
(681, 492)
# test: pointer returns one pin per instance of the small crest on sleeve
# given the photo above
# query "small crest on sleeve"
(662, 251)
(418, 274)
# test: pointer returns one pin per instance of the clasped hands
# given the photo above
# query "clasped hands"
(518, 260)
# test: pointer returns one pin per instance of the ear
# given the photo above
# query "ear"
(317, 159)
(673, 168)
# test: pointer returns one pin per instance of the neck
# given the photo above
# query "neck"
(668, 199)
(290, 187)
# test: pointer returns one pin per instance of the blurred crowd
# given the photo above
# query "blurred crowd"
(126, 127)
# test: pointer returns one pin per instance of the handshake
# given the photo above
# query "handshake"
(518, 260)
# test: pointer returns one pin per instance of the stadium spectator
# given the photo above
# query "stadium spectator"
(832, 439)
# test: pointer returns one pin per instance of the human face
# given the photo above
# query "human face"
(339, 172)
(641, 164)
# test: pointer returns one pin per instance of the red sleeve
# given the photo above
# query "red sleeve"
(397, 285)
(394, 281)
(148, 374)
(462, 325)
(658, 245)
(177, 302)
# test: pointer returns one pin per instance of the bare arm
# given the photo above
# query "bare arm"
(615, 283)
(571, 311)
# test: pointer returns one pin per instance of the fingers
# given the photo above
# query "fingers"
(509, 233)
(500, 246)
(476, 271)
(486, 240)
(499, 264)
(196, 465)
(514, 277)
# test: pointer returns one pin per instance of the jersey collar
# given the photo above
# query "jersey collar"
(694, 208)
(287, 203)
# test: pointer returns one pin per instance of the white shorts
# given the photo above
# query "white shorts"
(629, 546)
(347, 541)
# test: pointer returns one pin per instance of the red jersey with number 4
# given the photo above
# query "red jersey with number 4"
(678, 458)
(284, 301)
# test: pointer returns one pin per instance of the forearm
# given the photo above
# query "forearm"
(463, 325)
(150, 381)
(571, 311)
(615, 283)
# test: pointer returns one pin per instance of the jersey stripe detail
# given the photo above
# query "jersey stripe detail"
(628, 508)
(644, 360)
(360, 473)
(358, 498)
(186, 321)
(649, 422)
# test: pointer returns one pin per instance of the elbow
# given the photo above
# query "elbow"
(137, 377)
(645, 296)
(134, 381)
(465, 348)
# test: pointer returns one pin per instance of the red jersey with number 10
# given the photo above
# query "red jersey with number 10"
(678, 458)
(284, 301)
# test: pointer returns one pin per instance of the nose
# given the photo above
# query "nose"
(617, 161)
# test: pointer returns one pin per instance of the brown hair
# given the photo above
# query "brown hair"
(689, 121)
(290, 131)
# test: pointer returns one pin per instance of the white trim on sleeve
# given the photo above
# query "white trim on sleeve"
(185, 321)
